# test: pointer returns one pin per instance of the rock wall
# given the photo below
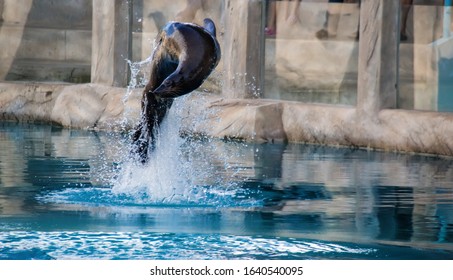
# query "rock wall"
(271, 121)
(91, 106)
(87, 106)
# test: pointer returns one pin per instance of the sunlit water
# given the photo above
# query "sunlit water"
(73, 194)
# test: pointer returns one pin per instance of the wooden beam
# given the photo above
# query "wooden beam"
(243, 50)
(111, 42)
(378, 56)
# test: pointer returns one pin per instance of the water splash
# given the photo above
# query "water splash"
(180, 172)
(177, 171)
(162, 177)
(139, 73)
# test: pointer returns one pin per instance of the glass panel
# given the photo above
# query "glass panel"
(426, 56)
(150, 16)
(312, 51)
(45, 40)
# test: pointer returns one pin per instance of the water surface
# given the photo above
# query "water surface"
(74, 194)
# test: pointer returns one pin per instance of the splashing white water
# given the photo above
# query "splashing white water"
(163, 176)
(181, 171)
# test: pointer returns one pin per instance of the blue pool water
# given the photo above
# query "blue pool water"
(74, 194)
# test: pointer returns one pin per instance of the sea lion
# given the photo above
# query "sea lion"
(184, 57)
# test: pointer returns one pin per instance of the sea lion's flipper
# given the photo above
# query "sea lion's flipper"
(209, 26)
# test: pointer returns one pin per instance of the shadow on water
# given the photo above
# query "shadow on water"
(70, 194)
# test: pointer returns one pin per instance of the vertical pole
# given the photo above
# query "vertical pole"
(130, 17)
(11, 38)
(242, 53)
(447, 18)
(255, 48)
(111, 42)
(390, 33)
(378, 56)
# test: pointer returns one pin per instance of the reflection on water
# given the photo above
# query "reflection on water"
(65, 194)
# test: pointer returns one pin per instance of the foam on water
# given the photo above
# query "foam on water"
(196, 197)
(144, 245)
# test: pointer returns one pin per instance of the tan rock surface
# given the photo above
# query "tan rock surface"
(91, 106)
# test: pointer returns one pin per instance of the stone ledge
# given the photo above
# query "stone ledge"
(92, 106)
(87, 106)
(267, 120)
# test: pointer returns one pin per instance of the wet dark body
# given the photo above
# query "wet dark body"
(184, 57)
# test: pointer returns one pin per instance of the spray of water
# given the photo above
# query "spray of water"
(162, 178)
(179, 171)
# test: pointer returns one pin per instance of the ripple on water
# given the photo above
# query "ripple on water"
(197, 197)
(144, 245)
